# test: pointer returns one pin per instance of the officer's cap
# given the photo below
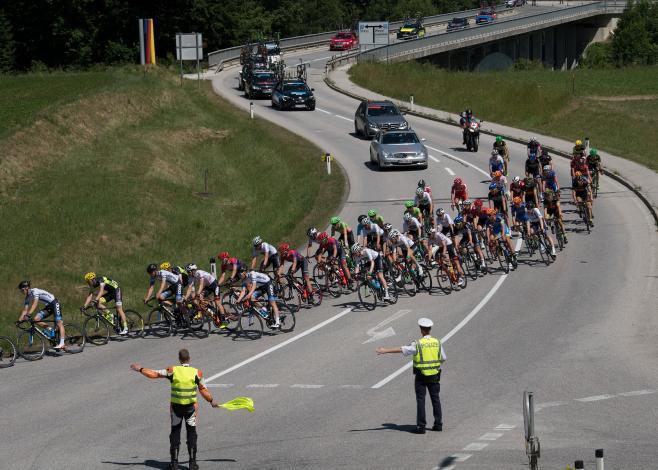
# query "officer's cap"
(425, 323)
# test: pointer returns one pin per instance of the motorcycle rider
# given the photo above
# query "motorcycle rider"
(465, 122)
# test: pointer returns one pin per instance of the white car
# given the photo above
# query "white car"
(514, 3)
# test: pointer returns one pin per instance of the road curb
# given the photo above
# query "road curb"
(620, 179)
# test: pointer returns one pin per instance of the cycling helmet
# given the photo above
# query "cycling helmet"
(419, 191)
(24, 284)
(394, 233)
(547, 167)
(550, 174)
(322, 236)
(165, 265)
(361, 217)
(499, 217)
(388, 227)
(548, 192)
(151, 268)
(90, 276)
(467, 202)
(366, 221)
(355, 248)
(579, 143)
(499, 139)
(533, 140)
(478, 203)
(372, 213)
(284, 247)
(530, 204)
(256, 241)
(516, 179)
(469, 112)
(493, 186)
(577, 174)
(517, 201)
(421, 183)
(335, 220)
(407, 216)
(440, 211)
(223, 255)
(191, 267)
(593, 152)
(242, 270)
(494, 152)
(457, 181)
(459, 219)
(409, 204)
(312, 232)
(498, 174)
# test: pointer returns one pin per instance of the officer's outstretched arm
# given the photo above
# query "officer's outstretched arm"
(150, 373)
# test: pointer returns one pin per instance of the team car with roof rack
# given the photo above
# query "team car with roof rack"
(292, 94)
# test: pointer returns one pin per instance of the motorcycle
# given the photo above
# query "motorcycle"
(473, 136)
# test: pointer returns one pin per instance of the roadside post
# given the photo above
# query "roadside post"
(327, 158)
(213, 267)
(411, 102)
(579, 465)
(189, 46)
(598, 453)
(251, 109)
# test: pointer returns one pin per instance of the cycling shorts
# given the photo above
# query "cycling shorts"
(451, 251)
(272, 260)
(582, 195)
(114, 295)
(174, 289)
(341, 252)
(303, 264)
(211, 289)
(500, 234)
(529, 198)
(263, 290)
(552, 211)
(446, 230)
(498, 204)
(379, 265)
(536, 227)
(53, 308)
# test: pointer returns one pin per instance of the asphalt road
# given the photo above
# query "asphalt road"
(580, 333)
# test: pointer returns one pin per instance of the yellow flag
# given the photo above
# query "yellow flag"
(238, 403)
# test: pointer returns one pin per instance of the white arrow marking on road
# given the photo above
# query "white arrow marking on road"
(434, 159)
(450, 172)
(377, 335)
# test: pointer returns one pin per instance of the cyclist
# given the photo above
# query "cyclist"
(501, 146)
(406, 244)
(410, 208)
(536, 224)
(51, 306)
(376, 218)
(444, 222)
(231, 264)
(530, 188)
(312, 234)
(422, 184)
(458, 193)
(497, 198)
(533, 166)
(464, 121)
(361, 232)
(581, 192)
(517, 188)
(549, 180)
(298, 261)
(545, 158)
(469, 237)
(496, 162)
(186, 280)
(594, 162)
(534, 147)
(108, 290)
(439, 242)
(363, 255)
(411, 226)
(519, 216)
(334, 250)
(206, 285)
(256, 284)
(581, 165)
(344, 231)
(553, 209)
(579, 148)
(270, 255)
(498, 229)
(373, 234)
(423, 201)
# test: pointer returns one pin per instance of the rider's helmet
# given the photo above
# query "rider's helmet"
(407, 216)
(459, 219)
(90, 276)
(409, 204)
(388, 227)
(361, 218)
(421, 183)
(457, 181)
(467, 202)
(366, 221)
(533, 140)
(223, 255)
(528, 179)
(494, 153)
(498, 174)
(493, 186)
(191, 267)
(242, 270)
(394, 233)
(579, 143)
(335, 220)
(577, 174)
(312, 232)
(432, 231)
(419, 191)
(469, 112)
(166, 265)
(593, 152)
(257, 240)
(499, 217)
(530, 204)
(440, 211)
(516, 179)
(499, 139)
(24, 284)
(284, 248)
(550, 174)
(478, 203)
(549, 193)
(544, 152)
(356, 248)
(322, 236)
(517, 201)
(547, 168)
(372, 213)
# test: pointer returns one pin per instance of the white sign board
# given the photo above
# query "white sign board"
(189, 46)
(373, 34)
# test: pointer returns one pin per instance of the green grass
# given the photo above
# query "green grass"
(108, 182)
(561, 104)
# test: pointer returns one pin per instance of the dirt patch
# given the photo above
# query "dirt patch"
(623, 98)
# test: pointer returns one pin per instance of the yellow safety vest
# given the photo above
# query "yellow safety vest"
(427, 360)
(183, 385)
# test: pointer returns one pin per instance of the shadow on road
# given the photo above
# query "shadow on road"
(163, 465)
(389, 427)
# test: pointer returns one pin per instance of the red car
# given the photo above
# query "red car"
(343, 41)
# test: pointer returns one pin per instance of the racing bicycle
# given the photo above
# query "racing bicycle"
(371, 290)
(32, 340)
(7, 352)
(100, 323)
(165, 320)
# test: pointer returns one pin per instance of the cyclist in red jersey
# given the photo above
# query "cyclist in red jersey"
(458, 192)
(298, 261)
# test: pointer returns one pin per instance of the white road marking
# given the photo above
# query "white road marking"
(220, 385)
(280, 345)
(450, 467)
(637, 393)
(321, 58)
(505, 427)
(549, 404)
(322, 110)
(351, 387)
(490, 436)
(434, 159)
(306, 386)
(594, 398)
(377, 335)
(460, 160)
(342, 117)
(475, 446)
(456, 329)
(461, 457)
(262, 385)
(450, 172)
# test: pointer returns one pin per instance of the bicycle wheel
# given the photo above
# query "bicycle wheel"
(316, 299)
(425, 281)
(7, 352)
(135, 324)
(96, 331)
(250, 324)
(408, 283)
(320, 275)
(196, 321)
(443, 279)
(293, 298)
(231, 315)
(287, 318)
(159, 323)
(74, 338)
(332, 284)
(544, 253)
(31, 346)
(367, 295)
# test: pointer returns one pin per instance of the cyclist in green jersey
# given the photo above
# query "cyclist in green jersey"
(376, 218)
(102, 290)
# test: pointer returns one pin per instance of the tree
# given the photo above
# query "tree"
(635, 40)
(7, 46)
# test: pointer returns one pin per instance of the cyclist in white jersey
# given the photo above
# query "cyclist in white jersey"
(170, 283)
(50, 307)
(255, 284)
(373, 234)
(411, 226)
(203, 284)
(270, 255)
(443, 246)
(444, 222)
(535, 223)
(375, 265)
(423, 200)
(406, 245)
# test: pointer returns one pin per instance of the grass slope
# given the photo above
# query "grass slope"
(617, 109)
(107, 180)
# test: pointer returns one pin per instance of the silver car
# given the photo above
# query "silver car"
(398, 148)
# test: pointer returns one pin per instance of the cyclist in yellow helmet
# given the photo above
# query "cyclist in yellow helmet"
(103, 289)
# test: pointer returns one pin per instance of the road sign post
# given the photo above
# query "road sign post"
(373, 34)
(189, 46)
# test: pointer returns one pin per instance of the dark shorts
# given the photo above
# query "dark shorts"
(211, 289)
(265, 290)
(174, 290)
(115, 295)
(273, 261)
(53, 308)
(303, 264)
(498, 204)
(446, 230)
(529, 198)
(552, 211)
(582, 195)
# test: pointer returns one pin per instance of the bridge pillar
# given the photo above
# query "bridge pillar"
(549, 48)
(524, 46)
(572, 46)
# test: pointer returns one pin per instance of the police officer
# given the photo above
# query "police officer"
(428, 356)
(185, 381)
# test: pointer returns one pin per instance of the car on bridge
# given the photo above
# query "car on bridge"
(412, 29)
(374, 116)
(515, 3)
(292, 94)
(457, 23)
(343, 41)
(259, 83)
(486, 15)
(398, 148)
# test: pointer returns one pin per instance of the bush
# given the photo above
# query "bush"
(597, 56)
(527, 64)
(119, 53)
